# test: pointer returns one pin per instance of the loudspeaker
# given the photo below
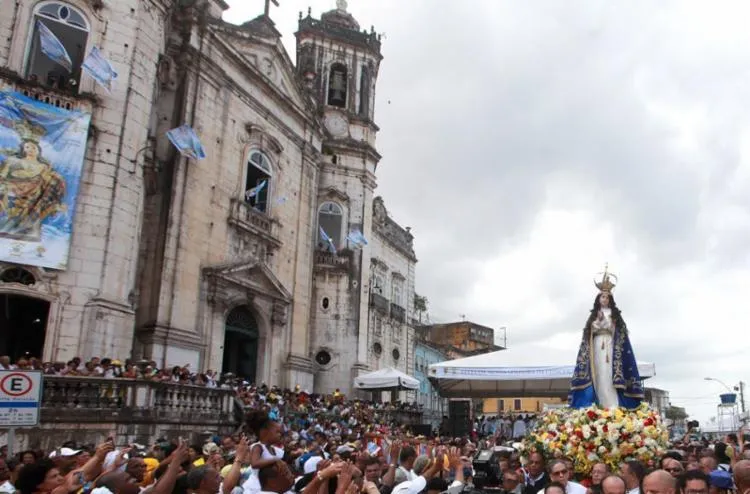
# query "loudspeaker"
(421, 430)
(459, 418)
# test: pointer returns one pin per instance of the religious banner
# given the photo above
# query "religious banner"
(42, 148)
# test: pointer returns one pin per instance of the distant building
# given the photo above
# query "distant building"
(501, 406)
(460, 339)
(433, 406)
(658, 399)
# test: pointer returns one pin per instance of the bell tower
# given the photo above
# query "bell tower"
(338, 64)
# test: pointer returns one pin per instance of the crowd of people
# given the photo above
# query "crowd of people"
(279, 401)
(335, 453)
(298, 442)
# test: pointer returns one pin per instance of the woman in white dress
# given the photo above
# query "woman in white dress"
(606, 371)
(265, 452)
(603, 331)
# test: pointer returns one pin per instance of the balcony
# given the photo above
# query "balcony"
(55, 97)
(398, 313)
(379, 302)
(85, 398)
(328, 261)
(90, 409)
(249, 220)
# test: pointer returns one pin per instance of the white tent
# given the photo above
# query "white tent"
(489, 376)
(385, 379)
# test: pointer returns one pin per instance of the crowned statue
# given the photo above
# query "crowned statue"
(606, 372)
(30, 188)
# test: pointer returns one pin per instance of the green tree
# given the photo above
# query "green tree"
(420, 306)
(675, 413)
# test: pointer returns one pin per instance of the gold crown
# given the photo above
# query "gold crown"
(606, 284)
(29, 131)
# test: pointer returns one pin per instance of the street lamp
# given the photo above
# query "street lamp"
(729, 390)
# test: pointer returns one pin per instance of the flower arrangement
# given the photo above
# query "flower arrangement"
(596, 435)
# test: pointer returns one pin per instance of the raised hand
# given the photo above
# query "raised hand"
(180, 455)
(121, 460)
(104, 449)
(242, 449)
(332, 470)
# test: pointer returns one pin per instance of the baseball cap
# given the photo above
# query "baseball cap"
(64, 452)
(721, 479)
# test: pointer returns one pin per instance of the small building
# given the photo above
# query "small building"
(460, 339)
(658, 399)
(502, 406)
(433, 406)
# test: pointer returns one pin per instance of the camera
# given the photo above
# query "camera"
(487, 469)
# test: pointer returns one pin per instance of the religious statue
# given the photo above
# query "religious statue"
(606, 372)
(30, 189)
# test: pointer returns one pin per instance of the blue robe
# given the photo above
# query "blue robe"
(625, 375)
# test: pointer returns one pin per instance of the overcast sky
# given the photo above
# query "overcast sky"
(547, 138)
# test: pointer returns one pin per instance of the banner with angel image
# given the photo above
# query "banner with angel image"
(42, 148)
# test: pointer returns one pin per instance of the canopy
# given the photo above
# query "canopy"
(385, 379)
(485, 376)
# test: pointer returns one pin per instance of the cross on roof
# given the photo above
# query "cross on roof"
(268, 6)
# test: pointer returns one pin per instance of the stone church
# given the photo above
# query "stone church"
(170, 259)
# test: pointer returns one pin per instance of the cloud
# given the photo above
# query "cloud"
(527, 143)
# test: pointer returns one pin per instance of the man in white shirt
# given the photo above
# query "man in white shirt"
(406, 460)
(559, 472)
(519, 428)
(424, 470)
(632, 473)
(613, 484)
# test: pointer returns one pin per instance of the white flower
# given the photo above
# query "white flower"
(586, 429)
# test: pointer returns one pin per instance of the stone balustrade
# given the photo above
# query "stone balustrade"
(90, 409)
(248, 219)
(341, 261)
(66, 99)
(97, 398)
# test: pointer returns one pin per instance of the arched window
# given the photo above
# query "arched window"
(337, 85)
(70, 26)
(258, 181)
(364, 92)
(17, 275)
(330, 219)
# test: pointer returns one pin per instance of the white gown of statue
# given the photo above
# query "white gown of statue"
(604, 330)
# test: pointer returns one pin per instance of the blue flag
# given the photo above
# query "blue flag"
(187, 142)
(255, 190)
(357, 238)
(99, 68)
(327, 240)
(52, 47)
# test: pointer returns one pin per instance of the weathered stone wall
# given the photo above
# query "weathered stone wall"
(94, 294)
(393, 258)
(164, 247)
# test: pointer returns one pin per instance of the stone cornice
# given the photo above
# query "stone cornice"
(353, 146)
(215, 72)
(217, 29)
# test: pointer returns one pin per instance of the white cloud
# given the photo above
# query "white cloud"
(552, 137)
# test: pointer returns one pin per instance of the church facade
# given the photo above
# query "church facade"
(170, 258)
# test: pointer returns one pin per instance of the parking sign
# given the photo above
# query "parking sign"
(20, 398)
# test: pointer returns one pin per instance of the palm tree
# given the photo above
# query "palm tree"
(420, 305)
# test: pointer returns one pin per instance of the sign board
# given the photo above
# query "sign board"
(20, 398)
